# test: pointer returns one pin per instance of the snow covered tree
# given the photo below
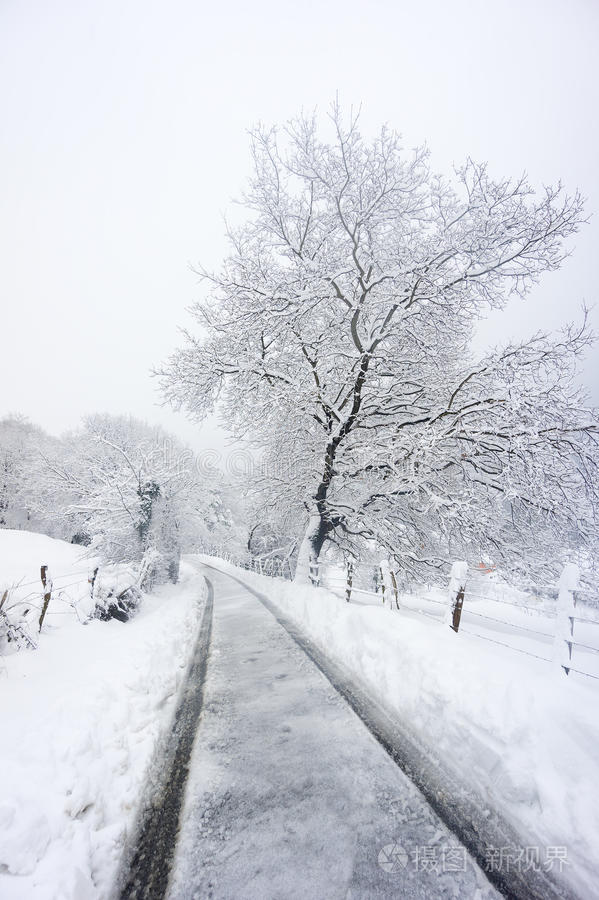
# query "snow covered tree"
(273, 528)
(337, 338)
(15, 439)
(20, 445)
(133, 488)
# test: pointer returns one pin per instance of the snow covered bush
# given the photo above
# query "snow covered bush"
(110, 599)
(14, 631)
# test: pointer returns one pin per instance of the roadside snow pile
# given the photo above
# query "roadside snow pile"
(80, 719)
(510, 727)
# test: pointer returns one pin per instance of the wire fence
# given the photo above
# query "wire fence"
(272, 566)
(560, 642)
(23, 612)
(561, 615)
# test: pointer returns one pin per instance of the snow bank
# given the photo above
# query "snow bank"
(22, 553)
(508, 726)
(80, 720)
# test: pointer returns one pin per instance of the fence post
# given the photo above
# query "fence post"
(386, 581)
(457, 587)
(92, 582)
(47, 583)
(564, 624)
(350, 580)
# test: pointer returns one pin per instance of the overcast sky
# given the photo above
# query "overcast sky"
(123, 141)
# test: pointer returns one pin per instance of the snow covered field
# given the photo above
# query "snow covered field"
(81, 718)
(508, 726)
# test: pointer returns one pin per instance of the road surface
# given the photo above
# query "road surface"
(289, 794)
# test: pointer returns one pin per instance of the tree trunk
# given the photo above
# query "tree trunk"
(319, 523)
(311, 546)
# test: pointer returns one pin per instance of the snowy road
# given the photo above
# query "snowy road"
(289, 795)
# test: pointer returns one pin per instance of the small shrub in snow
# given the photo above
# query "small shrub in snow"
(112, 601)
(14, 634)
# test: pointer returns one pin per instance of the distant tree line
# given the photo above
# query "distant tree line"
(128, 491)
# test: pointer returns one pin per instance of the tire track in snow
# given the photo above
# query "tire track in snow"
(149, 861)
(465, 814)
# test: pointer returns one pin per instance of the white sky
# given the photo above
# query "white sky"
(122, 142)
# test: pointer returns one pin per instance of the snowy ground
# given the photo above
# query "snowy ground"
(81, 718)
(290, 796)
(505, 725)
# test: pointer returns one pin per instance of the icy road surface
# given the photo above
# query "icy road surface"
(289, 795)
